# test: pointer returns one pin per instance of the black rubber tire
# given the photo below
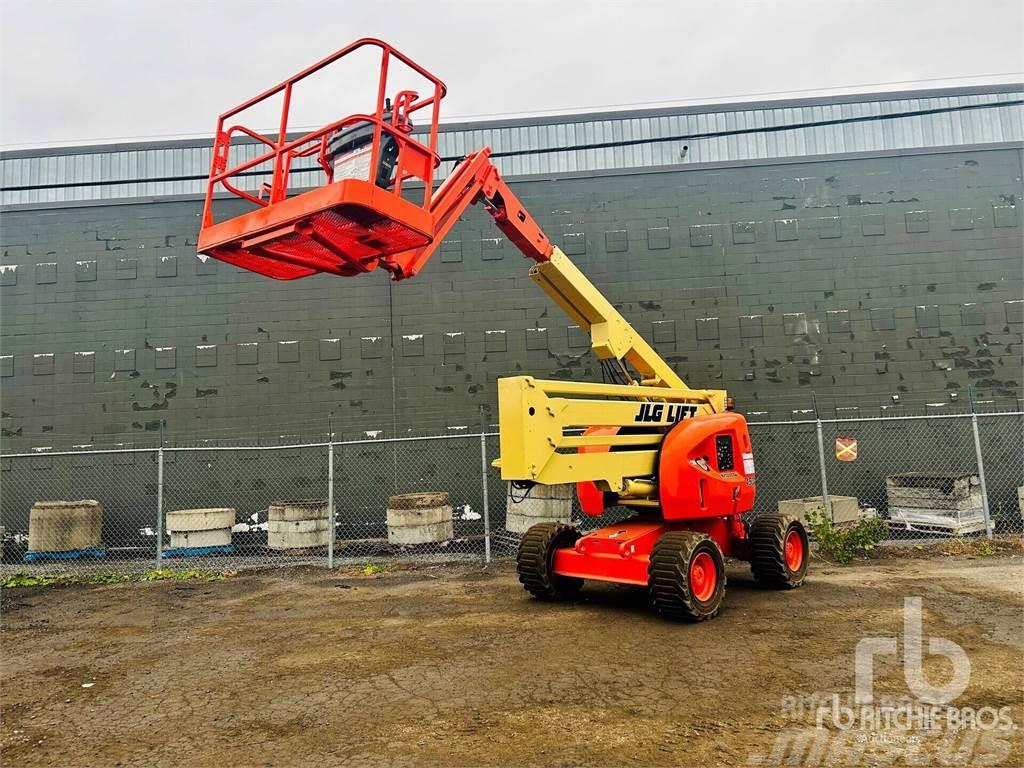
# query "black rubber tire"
(767, 551)
(668, 576)
(534, 561)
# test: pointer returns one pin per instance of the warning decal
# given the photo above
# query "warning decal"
(748, 463)
(846, 448)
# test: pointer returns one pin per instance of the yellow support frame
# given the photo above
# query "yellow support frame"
(538, 418)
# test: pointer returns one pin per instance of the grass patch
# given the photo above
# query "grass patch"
(159, 574)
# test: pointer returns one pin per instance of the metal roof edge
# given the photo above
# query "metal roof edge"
(562, 118)
(736, 106)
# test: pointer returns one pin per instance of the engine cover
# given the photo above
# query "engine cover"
(706, 468)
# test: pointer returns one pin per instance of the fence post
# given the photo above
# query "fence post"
(483, 483)
(825, 501)
(160, 499)
(981, 472)
(487, 512)
(330, 495)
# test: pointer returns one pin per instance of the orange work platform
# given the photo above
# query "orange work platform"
(344, 228)
(362, 215)
(365, 214)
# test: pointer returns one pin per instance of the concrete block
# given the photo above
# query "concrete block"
(213, 518)
(844, 509)
(298, 510)
(933, 491)
(543, 504)
(419, 518)
(220, 537)
(65, 526)
(192, 528)
(297, 534)
(298, 524)
(942, 502)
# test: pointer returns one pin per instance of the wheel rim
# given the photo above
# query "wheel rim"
(794, 550)
(703, 577)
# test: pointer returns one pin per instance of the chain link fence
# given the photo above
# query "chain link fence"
(440, 499)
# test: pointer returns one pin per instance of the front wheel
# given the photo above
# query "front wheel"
(686, 576)
(779, 551)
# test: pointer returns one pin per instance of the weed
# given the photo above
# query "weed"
(372, 569)
(160, 574)
(843, 544)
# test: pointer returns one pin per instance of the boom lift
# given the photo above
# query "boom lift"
(679, 458)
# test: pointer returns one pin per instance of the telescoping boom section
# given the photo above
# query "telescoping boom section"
(642, 439)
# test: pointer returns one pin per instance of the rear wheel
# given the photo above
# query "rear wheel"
(535, 561)
(779, 551)
(686, 576)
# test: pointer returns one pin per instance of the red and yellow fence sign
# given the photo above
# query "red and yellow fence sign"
(846, 448)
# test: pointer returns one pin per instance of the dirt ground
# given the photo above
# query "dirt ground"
(458, 666)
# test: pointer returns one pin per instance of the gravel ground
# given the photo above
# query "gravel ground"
(456, 665)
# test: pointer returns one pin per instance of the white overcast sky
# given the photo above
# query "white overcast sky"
(89, 71)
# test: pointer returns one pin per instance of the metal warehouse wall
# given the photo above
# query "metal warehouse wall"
(855, 278)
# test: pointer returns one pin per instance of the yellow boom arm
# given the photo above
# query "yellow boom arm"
(540, 420)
